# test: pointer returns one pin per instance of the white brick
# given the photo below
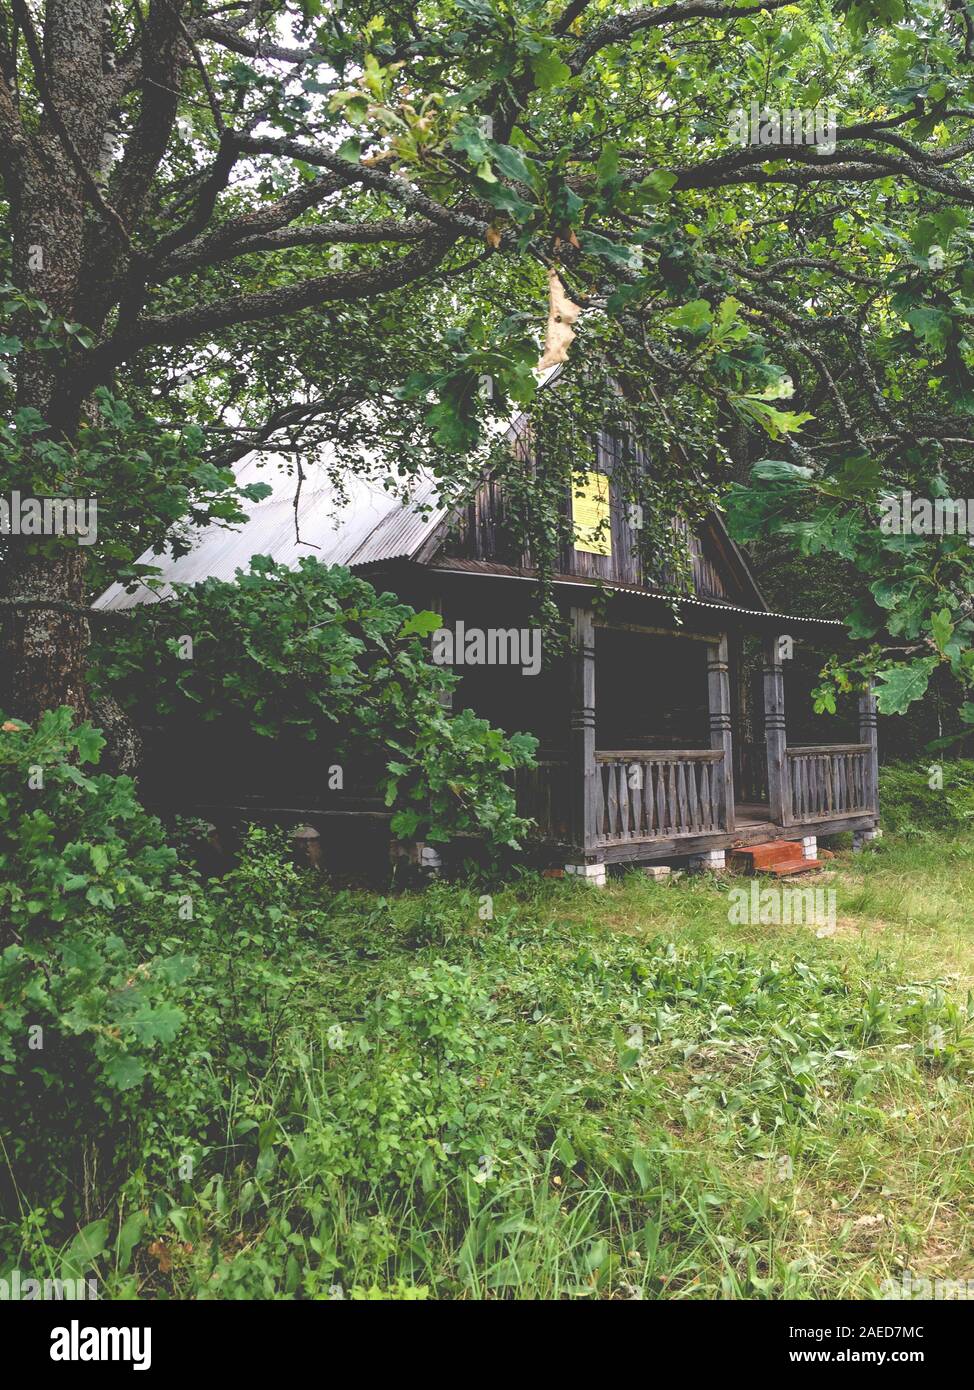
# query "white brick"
(863, 837)
(657, 870)
(591, 873)
(415, 852)
(712, 859)
(809, 846)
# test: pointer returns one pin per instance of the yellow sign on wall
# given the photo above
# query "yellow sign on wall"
(591, 513)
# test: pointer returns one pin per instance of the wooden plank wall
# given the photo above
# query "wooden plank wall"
(486, 531)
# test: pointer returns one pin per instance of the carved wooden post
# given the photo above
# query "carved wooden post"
(718, 696)
(585, 791)
(779, 784)
(868, 733)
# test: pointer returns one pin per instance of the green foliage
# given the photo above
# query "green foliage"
(51, 337)
(157, 483)
(69, 840)
(88, 1006)
(710, 295)
(919, 586)
(587, 1096)
(504, 356)
(923, 800)
(315, 651)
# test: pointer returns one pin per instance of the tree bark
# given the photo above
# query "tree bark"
(45, 650)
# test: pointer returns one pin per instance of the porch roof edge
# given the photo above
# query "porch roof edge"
(574, 582)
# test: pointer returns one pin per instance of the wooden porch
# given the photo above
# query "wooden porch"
(638, 804)
(670, 803)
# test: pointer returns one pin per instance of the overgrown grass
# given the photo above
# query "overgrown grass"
(589, 1093)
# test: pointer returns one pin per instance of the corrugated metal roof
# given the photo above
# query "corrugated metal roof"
(373, 524)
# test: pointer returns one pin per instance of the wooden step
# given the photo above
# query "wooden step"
(768, 852)
(795, 866)
(777, 857)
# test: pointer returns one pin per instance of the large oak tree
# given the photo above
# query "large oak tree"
(245, 221)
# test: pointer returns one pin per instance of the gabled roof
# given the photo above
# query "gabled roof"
(372, 525)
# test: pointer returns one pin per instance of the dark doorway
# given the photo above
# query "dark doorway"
(650, 691)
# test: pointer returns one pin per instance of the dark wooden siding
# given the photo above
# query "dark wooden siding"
(484, 531)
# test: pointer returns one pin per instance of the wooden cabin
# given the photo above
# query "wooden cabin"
(665, 732)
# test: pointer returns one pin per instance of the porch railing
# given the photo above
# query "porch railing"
(646, 795)
(832, 781)
(544, 795)
(658, 795)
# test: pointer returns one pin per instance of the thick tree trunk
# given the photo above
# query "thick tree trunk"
(44, 649)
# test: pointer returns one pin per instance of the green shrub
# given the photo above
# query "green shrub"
(88, 1001)
(315, 653)
(910, 805)
(69, 841)
(390, 1097)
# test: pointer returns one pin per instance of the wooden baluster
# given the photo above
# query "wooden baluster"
(612, 802)
(808, 788)
(622, 772)
(660, 799)
(695, 820)
(681, 795)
